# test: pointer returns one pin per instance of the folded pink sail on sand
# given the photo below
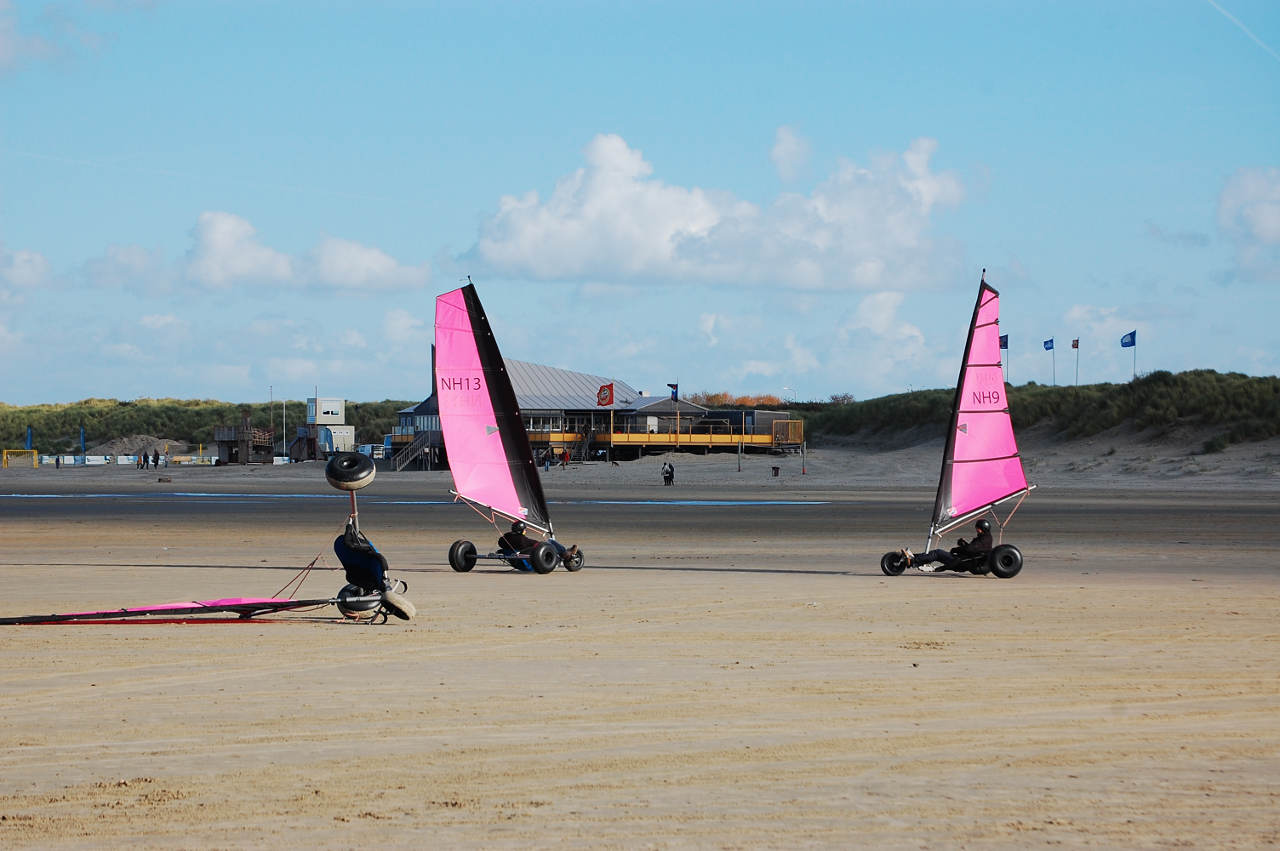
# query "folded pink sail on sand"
(980, 465)
(487, 445)
(245, 607)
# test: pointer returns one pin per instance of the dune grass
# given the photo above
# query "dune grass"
(1239, 407)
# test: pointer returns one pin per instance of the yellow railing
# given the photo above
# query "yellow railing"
(784, 433)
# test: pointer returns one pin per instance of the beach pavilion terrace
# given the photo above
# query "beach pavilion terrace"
(561, 413)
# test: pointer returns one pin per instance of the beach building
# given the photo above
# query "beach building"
(595, 417)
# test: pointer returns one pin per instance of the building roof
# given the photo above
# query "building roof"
(547, 388)
(655, 405)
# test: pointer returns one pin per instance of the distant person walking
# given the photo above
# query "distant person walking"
(155, 459)
(57, 462)
(668, 473)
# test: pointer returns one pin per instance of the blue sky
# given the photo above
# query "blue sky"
(211, 199)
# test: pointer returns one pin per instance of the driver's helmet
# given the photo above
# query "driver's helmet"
(518, 527)
(983, 525)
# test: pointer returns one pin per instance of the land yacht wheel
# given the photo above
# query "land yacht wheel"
(892, 564)
(462, 556)
(1006, 561)
(544, 558)
(350, 471)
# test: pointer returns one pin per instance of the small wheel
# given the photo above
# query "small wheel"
(575, 564)
(462, 556)
(350, 471)
(892, 564)
(544, 558)
(399, 605)
(1005, 561)
(356, 603)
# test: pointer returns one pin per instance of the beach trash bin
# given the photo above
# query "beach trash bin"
(775, 471)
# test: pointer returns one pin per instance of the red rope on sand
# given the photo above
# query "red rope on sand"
(301, 576)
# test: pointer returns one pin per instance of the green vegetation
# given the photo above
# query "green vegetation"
(1243, 407)
(56, 428)
(1238, 407)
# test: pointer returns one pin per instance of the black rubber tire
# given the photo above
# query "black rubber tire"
(350, 471)
(1005, 561)
(544, 558)
(462, 556)
(575, 564)
(892, 564)
(363, 610)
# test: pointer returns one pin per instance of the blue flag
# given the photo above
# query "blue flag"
(1048, 345)
(1128, 341)
(1004, 341)
(675, 390)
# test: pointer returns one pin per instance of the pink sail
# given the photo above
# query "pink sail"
(487, 445)
(245, 607)
(980, 465)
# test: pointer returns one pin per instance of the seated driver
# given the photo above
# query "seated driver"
(979, 546)
(517, 542)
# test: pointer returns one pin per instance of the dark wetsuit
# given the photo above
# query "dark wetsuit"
(980, 545)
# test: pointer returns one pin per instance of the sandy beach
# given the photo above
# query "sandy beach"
(730, 670)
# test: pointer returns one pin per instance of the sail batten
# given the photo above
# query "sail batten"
(488, 448)
(980, 464)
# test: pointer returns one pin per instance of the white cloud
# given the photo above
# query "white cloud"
(802, 357)
(345, 264)
(400, 327)
(607, 216)
(877, 313)
(127, 266)
(22, 271)
(353, 339)
(227, 251)
(862, 227)
(16, 47)
(1100, 326)
(876, 345)
(64, 32)
(1249, 214)
(707, 325)
(790, 153)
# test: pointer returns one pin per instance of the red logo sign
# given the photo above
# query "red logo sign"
(604, 396)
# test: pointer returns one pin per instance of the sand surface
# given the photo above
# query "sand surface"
(731, 669)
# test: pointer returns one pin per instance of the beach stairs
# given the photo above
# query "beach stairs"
(583, 447)
(411, 453)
